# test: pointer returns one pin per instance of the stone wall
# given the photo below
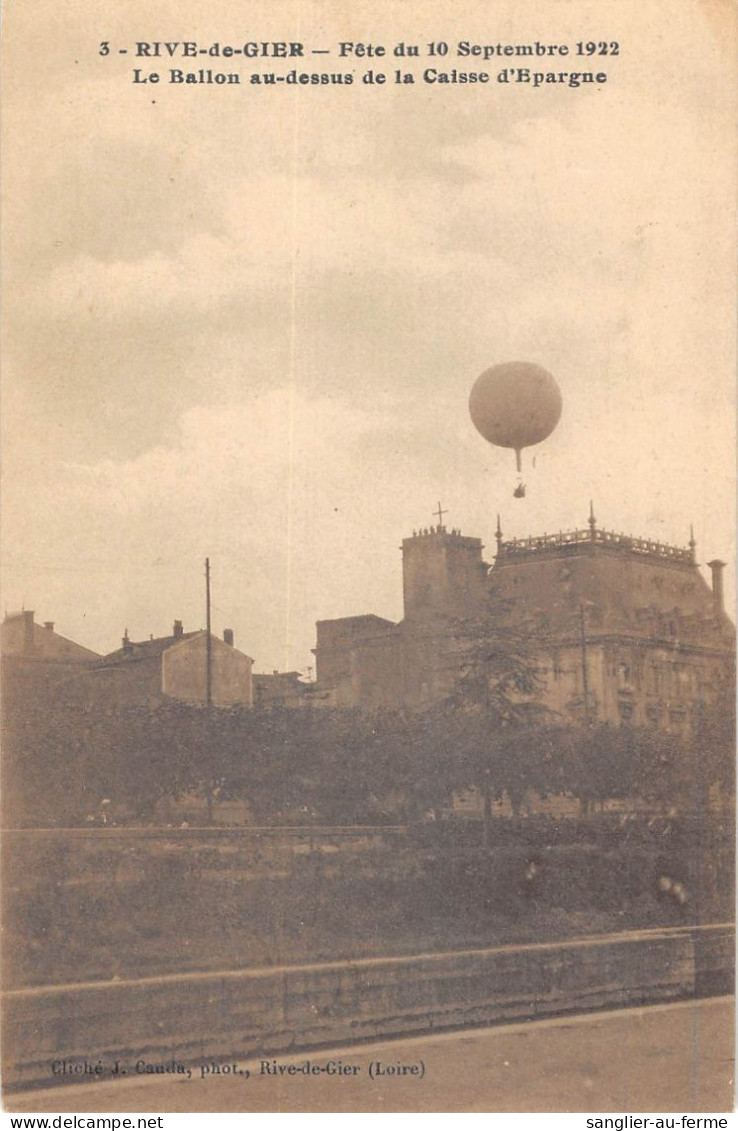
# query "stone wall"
(249, 1012)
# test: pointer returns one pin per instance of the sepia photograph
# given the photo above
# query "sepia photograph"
(368, 556)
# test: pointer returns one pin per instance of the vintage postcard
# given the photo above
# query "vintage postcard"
(368, 556)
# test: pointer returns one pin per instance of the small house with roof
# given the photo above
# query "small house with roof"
(22, 639)
(36, 658)
(148, 672)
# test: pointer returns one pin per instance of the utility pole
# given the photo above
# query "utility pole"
(208, 643)
(698, 819)
(585, 680)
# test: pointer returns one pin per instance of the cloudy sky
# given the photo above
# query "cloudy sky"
(244, 322)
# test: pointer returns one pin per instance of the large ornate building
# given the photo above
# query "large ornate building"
(625, 630)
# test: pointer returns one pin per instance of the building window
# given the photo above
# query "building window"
(684, 679)
(677, 719)
(625, 711)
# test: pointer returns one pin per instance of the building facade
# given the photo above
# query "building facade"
(622, 629)
(630, 630)
(281, 689)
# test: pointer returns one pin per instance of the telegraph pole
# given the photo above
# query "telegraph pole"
(208, 643)
(585, 680)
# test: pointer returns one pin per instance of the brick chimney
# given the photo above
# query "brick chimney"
(27, 629)
(228, 636)
(127, 646)
(716, 567)
(177, 630)
(49, 625)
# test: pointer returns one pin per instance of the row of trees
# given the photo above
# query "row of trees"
(337, 766)
(341, 766)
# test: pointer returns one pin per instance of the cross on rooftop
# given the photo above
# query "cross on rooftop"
(440, 513)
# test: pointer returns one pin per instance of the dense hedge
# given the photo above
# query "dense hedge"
(96, 909)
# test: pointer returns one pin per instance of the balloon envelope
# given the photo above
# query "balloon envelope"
(515, 404)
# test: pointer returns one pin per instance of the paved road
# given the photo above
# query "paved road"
(665, 1058)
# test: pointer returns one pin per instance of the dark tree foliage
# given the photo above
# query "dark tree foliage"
(63, 760)
(498, 663)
